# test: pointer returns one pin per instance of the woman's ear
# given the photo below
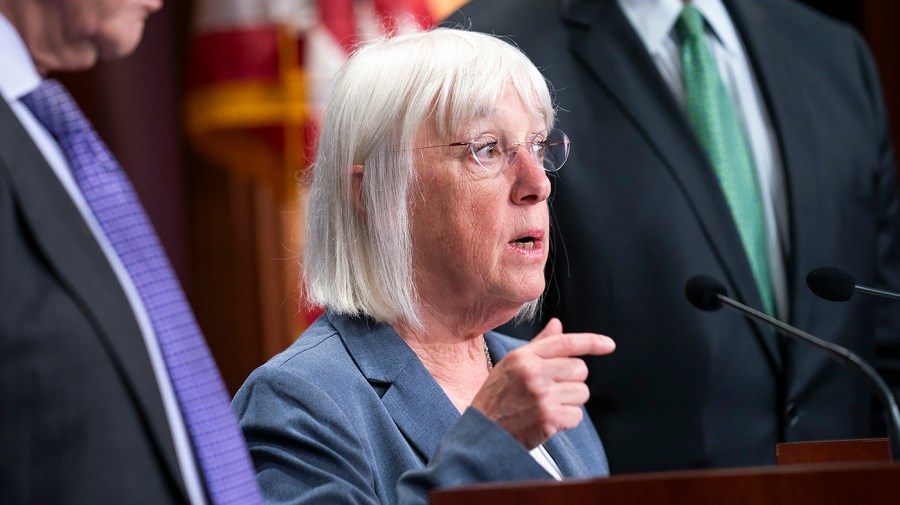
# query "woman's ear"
(356, 190)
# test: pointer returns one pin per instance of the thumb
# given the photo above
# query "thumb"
(553, 327)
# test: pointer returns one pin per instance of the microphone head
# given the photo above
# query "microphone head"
(831, 283)
(703, 292)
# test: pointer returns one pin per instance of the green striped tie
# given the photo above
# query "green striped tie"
(713, 117)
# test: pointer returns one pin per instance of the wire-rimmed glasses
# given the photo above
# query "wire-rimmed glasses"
(494, 153)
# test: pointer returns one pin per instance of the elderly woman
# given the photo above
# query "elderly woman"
(427, 227)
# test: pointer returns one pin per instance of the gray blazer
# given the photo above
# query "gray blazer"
(348, 414)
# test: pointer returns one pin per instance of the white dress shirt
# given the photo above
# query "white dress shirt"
(18, 78)
(654, 22)
(545, 460)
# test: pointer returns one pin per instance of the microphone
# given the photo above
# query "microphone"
(707, 293)
(837, 285)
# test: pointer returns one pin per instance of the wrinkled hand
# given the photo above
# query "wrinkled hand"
(538, 389)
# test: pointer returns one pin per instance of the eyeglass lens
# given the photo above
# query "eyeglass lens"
(549, 148)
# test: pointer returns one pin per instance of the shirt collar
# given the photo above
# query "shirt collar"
(19, 76)
(720, 23)
(653, 21)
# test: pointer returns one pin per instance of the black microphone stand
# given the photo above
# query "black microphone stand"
(841, 355)
(876, 292)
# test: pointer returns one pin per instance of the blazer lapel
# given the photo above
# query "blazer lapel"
(602, 39)
(560, 447)
(412, 395)
(58, 230)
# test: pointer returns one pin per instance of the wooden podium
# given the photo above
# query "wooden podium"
(863, 480)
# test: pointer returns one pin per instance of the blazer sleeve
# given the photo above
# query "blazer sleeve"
(887, 200)
(306, 449)
(475, 450)
(303, 446)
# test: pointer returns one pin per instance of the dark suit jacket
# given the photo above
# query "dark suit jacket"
(638, 211)
(81, 419)
(348, 414)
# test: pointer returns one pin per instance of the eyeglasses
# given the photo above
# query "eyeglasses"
(549, 148)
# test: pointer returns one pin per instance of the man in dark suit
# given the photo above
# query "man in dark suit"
(639, 210)
(92, 408)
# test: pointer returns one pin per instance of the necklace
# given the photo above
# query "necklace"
(487, 354)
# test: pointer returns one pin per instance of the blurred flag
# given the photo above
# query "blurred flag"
(259, 76)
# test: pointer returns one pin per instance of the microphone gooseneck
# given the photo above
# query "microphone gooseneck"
(702, 289)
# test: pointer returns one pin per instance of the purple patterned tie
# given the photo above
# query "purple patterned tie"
(219, 446)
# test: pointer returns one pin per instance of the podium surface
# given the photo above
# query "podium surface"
(867, 483)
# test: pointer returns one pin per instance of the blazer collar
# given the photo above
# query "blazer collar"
(413, 395)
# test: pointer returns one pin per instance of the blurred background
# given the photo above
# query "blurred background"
(213, 118)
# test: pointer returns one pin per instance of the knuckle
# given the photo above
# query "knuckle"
(548, 429)
(513, 358)
(580, 369)
(546, 413)
(558, 418)
(574, 416)
(531, 373)
(567, 341)
(521, 361)
(569, 418)
(579, 414)
(584, 393)
(538, 387)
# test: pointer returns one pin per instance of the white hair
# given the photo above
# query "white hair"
(389, 92)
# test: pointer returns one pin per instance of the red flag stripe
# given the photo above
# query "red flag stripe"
(389, 10)
(235, 55)
(339, 18)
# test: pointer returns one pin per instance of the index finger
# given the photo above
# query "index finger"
(553, 327)
(573, 344)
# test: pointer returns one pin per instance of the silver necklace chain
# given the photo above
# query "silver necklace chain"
(487, 354)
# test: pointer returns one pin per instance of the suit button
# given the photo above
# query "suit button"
(790, 415)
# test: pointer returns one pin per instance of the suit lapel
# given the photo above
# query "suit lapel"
(58, 230)
(602, 39)
(415, 401)
(780, 81)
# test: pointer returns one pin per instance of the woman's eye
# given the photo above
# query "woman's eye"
(486, 150)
